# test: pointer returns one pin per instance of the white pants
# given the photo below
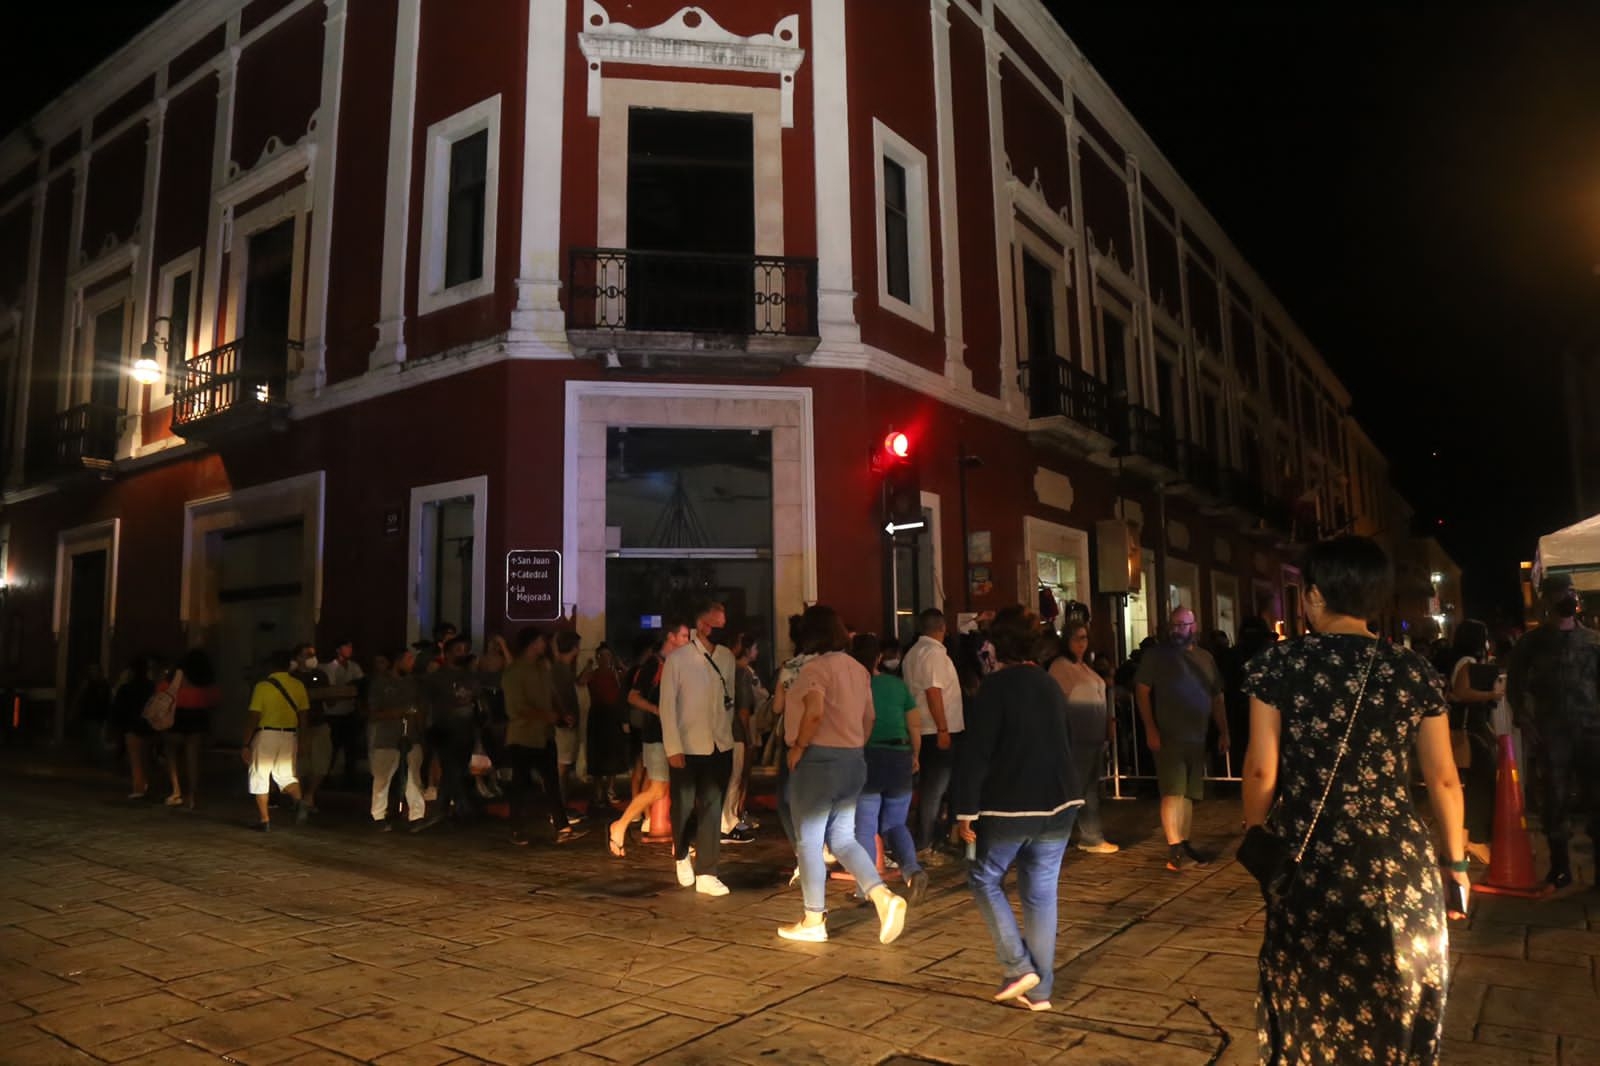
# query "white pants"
(271, 759)
(733, 798)
(384, 762)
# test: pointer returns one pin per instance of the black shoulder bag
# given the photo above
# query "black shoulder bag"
(1271, 860)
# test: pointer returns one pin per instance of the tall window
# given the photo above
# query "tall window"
(1039, 316)
(181, 295)
(464, 224)
(896, 231)
(905, 264)
(460, 190)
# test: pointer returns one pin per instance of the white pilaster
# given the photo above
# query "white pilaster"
(72, 311)
(1081, 281)
(314, 371)
(219, 217)
(30, 321)
(537, 320)
(397, 188)
(144, 268)
(1004, 222)
(830, 131)
(1141, 275)
(955, 366)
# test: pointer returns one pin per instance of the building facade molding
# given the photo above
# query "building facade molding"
(692, 39)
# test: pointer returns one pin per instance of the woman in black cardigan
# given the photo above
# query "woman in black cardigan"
(1016, 795)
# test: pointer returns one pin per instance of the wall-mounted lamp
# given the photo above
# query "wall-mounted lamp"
(1436, 577)
(147, 369)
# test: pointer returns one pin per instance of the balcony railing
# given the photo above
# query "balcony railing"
(623, 289)
(1141, 432)
(232, 387)
(1200, 468)
(85, 437)
(1061, 389)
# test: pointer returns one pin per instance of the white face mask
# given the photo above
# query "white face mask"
(891, 664)
(310, 663)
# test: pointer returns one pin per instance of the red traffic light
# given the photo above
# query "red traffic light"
(897, 445)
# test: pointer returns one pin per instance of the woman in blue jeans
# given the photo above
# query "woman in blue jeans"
(827, 721)
(891, 762)
(1016, 796)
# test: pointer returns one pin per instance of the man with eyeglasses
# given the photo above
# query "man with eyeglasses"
(1179, 689)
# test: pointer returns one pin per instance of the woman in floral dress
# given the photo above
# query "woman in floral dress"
(1355, 957)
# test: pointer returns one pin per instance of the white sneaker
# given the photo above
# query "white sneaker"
(710, 885)
(685, 871)
(806, 934)
(892, 920)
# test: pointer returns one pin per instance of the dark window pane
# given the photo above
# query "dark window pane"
(469, 168)
(689, 489)
(896, 231)
(178, 330)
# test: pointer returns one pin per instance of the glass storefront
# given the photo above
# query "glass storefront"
(688, 517)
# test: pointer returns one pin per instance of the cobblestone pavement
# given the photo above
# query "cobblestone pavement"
(137, 934)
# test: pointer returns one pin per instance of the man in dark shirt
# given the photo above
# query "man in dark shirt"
(1553, 682)
(452, 692)
(1178, 689)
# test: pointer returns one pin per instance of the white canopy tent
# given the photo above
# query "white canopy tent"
(1574, 550)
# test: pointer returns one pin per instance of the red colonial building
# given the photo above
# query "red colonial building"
(344, 317)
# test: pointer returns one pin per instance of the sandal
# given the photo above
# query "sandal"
(619, 848)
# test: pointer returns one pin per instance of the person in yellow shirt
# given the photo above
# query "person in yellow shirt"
(278, 707)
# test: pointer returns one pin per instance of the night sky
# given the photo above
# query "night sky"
(1419, 185)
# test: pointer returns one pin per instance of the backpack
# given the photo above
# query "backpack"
(162, 708)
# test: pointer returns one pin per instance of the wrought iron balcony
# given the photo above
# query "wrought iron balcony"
(1141, 434)
(85, 438)
(1058, 388)
(237, 387)
(661, 309)
(1199, 468)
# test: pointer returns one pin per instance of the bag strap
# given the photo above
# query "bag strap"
(284, 693)
(1344, 744)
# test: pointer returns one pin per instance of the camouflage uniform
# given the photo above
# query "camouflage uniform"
(1554, 686)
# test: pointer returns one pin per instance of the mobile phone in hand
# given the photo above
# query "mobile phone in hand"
(1455, 899)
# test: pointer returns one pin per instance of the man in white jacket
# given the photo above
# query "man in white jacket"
(697, 730)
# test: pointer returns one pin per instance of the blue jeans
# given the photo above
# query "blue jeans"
(1038, 860)
(822, 801)
(884, 804)
(933, 783)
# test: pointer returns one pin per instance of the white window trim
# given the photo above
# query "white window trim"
(161, 392)
(1132, 354)
(421, 496)
(1030, 244)
(441, 137)
(80, 386)
(930, 504)
(293, 204)
(103, 536)
(886, 144)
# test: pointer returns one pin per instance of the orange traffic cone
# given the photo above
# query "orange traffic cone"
(1511, 864)
(661, 818)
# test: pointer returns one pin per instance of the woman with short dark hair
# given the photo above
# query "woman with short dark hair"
(827, 724)
(1334, 716)
(1015, 797)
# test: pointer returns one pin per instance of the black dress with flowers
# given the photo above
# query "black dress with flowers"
(1355, 957)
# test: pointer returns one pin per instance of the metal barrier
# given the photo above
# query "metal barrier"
(1129, 760)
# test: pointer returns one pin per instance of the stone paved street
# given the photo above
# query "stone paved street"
(140, 935)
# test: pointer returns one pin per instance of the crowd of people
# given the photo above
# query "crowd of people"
(993, 740)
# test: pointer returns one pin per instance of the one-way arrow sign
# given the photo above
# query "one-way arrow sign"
(892, 529)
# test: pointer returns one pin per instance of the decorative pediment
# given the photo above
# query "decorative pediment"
(691, 38)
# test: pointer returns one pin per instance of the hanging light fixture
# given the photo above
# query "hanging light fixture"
(147, 369)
